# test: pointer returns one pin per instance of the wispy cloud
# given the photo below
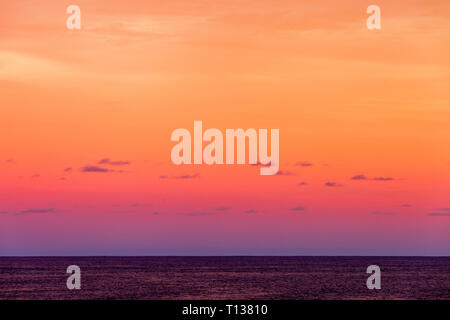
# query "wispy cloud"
(188, 176)
(439, 214)
(223, 208)
(302, 183)
(3, 212)
(45, 210)
(67, 169)
(364, 177)
(37, 175)
(113, 163)
(199, 213)
(95, 169)
(298, 208)
(304, 164)
(285, 173)
(251, 211)
(333, 184)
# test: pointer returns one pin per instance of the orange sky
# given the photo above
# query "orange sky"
(347, 100)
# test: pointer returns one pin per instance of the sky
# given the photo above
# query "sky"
(86, 118)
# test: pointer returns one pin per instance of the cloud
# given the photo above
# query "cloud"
(406, 205)
(157, 213)
(302, 183)
(3, 212)
(383, 179)
(285, 173)
(363, 177)
(223, 208)
(163, 177)
(304, 164)
(332, 184)
(113, 163)
(67, 169)
(251, 211)
(439, 214)
(359, 177)
(188, 176)
(95, 169)
(37, 175)
(443, 209)
(46, 210)
(10, 161)
(298, 208)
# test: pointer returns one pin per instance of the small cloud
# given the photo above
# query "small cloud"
(62, 179)
(364, 177)
(49, 210)
(332, 184)
(251, 211)
(95, 169)
(223, 208)
(439, 214)
(359, 177)
(34, 176)
(67, 169)
(3, 212)
(384, 213)
(259, 163)
(406, 205)
(285, 173)
(188, 176)
(383, 179)
(443, 209)
(157, 213)
(10, 161)
(302, 183)
(298, 208)
(163, 177)
(303, 164)
(113, 163)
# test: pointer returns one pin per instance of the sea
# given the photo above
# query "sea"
(225, 278)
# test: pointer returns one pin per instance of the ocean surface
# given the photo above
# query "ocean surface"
(225, 278)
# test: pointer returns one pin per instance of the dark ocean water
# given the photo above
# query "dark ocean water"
(225, 278)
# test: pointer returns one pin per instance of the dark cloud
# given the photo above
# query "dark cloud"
(157, 213)
(46, 210)
(10, 161)
(332, 184)
(113, 163)
(304, 164)
(439, 214)
(298, 208)
(251, 211)
(259, 163)
(359, 177)
(3, 212)
(67, 169)
(223, 208)
(383, 179)
(188, 176)
(95, 169)
(302, 183)
(285, 173)
(62, 179)
(163, 177)
(363, 177)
